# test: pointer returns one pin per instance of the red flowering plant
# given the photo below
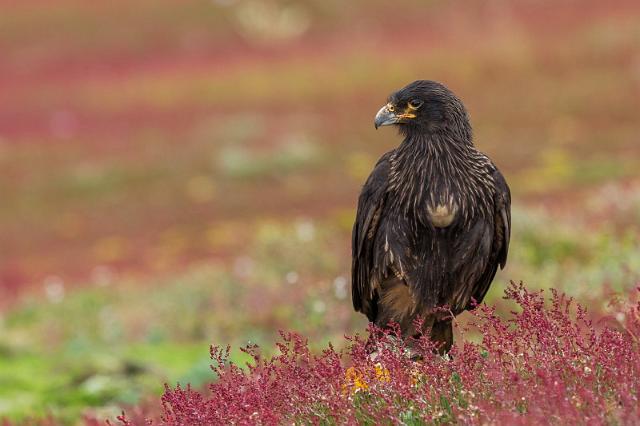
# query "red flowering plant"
(544, 363)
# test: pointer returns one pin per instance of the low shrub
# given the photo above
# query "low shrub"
(545, 362)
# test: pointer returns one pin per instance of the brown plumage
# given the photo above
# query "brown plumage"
(433, 220)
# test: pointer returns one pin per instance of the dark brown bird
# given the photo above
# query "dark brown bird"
(433, 220)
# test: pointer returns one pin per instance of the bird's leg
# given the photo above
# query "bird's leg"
(442, 335)
(371, 347)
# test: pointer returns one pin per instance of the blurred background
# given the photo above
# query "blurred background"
(180, 173)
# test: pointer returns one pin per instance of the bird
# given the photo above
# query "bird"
(433, 219)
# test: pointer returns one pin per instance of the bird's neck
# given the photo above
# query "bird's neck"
(433, 169)
(433, 155)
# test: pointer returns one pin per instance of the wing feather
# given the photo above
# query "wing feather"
(501, 236)
(370, 211)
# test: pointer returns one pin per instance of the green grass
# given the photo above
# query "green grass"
(69, 379)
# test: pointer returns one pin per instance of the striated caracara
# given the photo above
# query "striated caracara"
(433, 220)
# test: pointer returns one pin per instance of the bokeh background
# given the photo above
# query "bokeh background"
(180, 173)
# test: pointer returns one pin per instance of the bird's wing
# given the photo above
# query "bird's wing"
(501, 236)
(370, 211)
(503, 216)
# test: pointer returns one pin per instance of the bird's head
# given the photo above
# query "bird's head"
(423, 106)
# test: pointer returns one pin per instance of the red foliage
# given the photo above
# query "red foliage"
(545, 363)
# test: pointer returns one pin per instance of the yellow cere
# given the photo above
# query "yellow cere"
(408, 113)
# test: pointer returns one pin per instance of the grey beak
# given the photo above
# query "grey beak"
(384, 117)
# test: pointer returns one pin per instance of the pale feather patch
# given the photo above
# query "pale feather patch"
(442, 215)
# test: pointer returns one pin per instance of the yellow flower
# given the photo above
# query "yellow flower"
(382, 374)
(416, 377)
(355, 381)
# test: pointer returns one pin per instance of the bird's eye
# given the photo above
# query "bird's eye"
(391, 108)
(415, 103)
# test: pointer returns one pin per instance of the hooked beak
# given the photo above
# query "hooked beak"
(384, 117)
